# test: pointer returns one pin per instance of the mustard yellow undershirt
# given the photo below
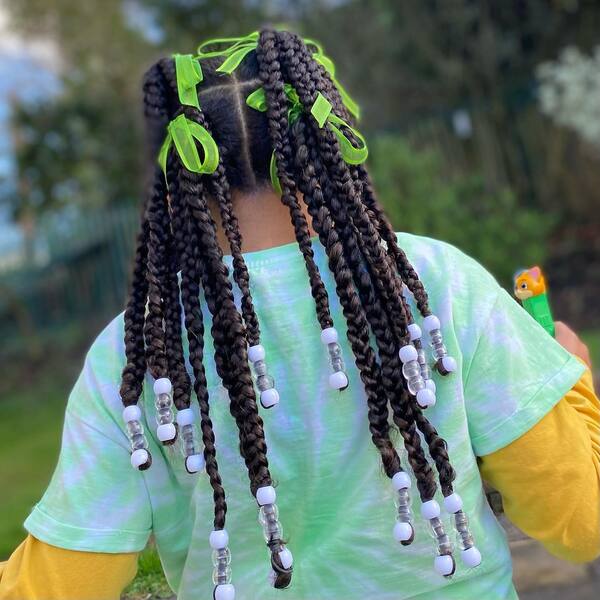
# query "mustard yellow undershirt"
(549, 480)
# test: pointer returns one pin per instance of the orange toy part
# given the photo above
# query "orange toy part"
(529, 283)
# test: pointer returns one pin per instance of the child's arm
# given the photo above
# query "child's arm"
(549, 478)
(37, 570)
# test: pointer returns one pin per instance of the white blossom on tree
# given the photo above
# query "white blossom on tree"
(569, 92)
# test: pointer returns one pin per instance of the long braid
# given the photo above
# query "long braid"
(358, 329)
(222, 193)
(390, 369)
(270, 74)
(406, 407)
(187, 241)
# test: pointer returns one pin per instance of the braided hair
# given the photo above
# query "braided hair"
(372, 277)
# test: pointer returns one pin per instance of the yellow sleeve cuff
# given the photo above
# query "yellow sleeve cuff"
(549, 478)
(38, 571)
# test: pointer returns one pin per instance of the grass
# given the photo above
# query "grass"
(31, 416)
(30, 424)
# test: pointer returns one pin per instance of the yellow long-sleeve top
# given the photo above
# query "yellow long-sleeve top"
(549, 479)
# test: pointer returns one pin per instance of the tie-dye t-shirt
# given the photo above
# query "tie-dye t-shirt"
(336, 506)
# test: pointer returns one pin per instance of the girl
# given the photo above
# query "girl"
(252, 132)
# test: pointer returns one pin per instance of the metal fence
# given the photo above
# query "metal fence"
(75, 269)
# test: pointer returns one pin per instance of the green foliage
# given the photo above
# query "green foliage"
(28, 447)
(150, 581)
(421, 199)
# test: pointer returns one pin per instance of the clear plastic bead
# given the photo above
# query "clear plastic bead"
(265, 382)
(164, 416)
(334, 350)
(139, 442)
(134, 427)
(220, 556)
(163, 401)
(260, 367)
(411, 369)
(415, 385)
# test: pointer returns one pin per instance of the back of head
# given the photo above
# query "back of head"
(266, 110)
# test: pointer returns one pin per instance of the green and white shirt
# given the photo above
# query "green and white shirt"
(336, 505)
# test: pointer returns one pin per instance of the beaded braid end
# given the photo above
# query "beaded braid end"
(444, 363)
(269, 396)
(338, 380)
(166, 431)
(140, 455)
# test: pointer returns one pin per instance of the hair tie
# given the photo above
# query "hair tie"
(322, 111)
(235, 53)
(188, 73)
(184, 133)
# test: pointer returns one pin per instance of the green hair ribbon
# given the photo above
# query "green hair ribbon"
(235, 50)
(258, 101)
(329, 66)
(189, 74)
(321, 110)
(184, 133)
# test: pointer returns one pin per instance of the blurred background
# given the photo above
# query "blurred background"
(483, 120)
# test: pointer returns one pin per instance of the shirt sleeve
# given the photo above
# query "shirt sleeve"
(549, 478)
(515, 375)
(96, 501)
(37, 571)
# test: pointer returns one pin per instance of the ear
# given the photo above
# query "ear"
(536, 273)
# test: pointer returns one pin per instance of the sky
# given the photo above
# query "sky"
(28, 70)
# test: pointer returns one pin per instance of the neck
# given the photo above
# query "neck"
(264, 221)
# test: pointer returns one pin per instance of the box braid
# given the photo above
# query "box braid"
(368, 313)
(178, 232)
(270, 75)
(437, 446)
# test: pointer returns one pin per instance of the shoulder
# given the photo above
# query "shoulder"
(449, 275)
(96, 391)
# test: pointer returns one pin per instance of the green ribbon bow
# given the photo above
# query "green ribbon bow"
(189, 74)
(184, 134)
(235, 50)
(258, 101)
(321, 110)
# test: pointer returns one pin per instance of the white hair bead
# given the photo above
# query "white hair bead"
(162, 386)
(401, 480)
(415, 332)
(139, 458)
(166, 432)
(453, 503)
(338, 380)
(449, 364)
(185, 417)
(194, 463)
(286, 558)
(269, 398)
(471, 557)
(255, 353)
(444, 564)
(430, 323)
(266, 495)
(430, 509)
(425, 398)
(218, 539)
(329, 335)
(224, 591)
(430, 385)
(132, 413)
(403, 531)
(408, 353)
